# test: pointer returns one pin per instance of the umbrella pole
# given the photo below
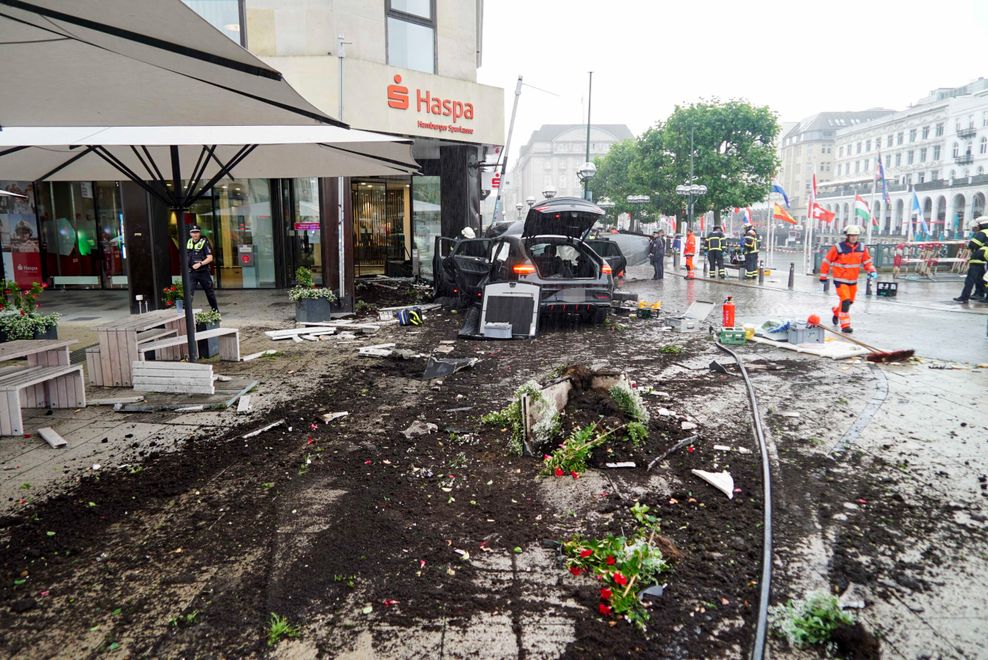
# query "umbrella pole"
(178, 207)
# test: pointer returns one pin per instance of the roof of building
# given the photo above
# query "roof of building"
(823, 121)
(549, 132)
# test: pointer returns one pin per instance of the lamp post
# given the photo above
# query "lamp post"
(518, 207)
(586, 172)
(606, 204)
(691, 192)
(549, 192)
(636, 200)
(530, 201)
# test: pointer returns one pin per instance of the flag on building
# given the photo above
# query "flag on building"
(861, 212)
(779, 213)
(822, 214)
(776, 188)
(881, 175)
(918, 211)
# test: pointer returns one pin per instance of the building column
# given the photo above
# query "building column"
(330, 218)
(147, 240)
(460, 189)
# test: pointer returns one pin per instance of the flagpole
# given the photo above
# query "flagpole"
(871, 206)
(909, 218)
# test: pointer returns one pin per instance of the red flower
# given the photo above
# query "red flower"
(575, 570)
(620, 579)
(586, 553)
(546, 457)
(611, 560)
(22, 312)
(168, 303)
(44, 285)
(388, 602)
(605, 594)
(691, 449)
(604, 609)
(574, 474)
(559, 472)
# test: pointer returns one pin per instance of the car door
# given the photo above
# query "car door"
(442, 279)
(469, 264)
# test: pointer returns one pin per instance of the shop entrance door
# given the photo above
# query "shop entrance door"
(381, 225)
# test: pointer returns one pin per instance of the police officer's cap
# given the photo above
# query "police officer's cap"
(195, 228)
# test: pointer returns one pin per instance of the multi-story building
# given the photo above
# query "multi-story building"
(808, 148)
(551, 158)
(409, 68)
(937, 147)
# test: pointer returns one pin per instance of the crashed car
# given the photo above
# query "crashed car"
(612, 254)
(465, 264)
(547, 250)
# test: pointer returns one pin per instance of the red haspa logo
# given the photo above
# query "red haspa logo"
(398, 95)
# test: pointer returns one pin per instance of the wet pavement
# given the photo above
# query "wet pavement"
(922, 316)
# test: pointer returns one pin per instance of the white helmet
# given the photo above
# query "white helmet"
(980, 222)
(852, 230)
(468, 232)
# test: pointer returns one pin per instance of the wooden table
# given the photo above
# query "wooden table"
(118, 345)
(39, 352)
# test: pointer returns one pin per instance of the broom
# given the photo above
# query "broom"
(875, 354)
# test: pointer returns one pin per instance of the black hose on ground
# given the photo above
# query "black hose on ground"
(758, 650)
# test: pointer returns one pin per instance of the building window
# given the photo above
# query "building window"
(909, 158)
(227, 16)
(898, 158)
(984, 145)
(898, 137)
(857, 166)
(888, 141)
(921, 177)
(858, 148)
(412, 34)
(935, 175)
(957, 150)
(840, 152)
(939, 130)
(912, 135)
(867, 145)
(936, 152)
(922, 155)
(926, 132)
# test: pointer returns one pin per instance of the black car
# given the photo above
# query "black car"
(465, 264)
(611, 252)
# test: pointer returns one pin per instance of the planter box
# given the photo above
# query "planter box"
(50, 333)
(207, 347)
(315, 309)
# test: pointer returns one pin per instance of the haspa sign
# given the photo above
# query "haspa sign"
(444, 115)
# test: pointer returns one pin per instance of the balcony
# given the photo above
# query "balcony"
(964, 159)
(967, 133)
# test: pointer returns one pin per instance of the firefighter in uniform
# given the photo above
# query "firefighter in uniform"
(714, 242)
(689, 251)
(978, 245)
(846, 259)
(200, 255)
(750, 249)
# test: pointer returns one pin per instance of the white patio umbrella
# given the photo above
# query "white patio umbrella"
(104, 89)
(4, 193)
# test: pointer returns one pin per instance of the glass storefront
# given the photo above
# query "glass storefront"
(302, 206)
(426, 220)
(81, 229)
(381, 224)
(19, 234)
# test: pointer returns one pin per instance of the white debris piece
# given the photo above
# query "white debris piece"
(853, 597)
(419, 428)
(254, 356)
(329, 417)
(722, 481)
(688, 426)
(623, 464)
(264, 428)
(243, 405)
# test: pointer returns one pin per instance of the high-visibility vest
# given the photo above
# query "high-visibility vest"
(690, 249)
(846, 260)
(195, 250)
(750, 244)
(715, 241)
(979, 248)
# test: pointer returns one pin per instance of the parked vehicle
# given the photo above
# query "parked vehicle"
(612, 254)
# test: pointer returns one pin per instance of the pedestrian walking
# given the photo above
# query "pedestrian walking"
(978, 246)
(689, 251)
(750, 251)
(657, 254)
(846, 259)
(200, 255)
(714, 243)
(897, 260)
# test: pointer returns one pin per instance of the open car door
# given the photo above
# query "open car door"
(469, 264)
(442, 280)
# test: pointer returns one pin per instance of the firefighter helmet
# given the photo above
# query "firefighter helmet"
(980, 222)
(852, 230)
(468, 232)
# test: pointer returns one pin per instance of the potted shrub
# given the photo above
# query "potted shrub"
(312, 303)
(208, 320)
(174, 296)
(19, 316)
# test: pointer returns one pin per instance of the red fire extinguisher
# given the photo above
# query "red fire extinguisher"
(728, 313)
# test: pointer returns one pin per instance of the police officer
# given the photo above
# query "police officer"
(978, 245)
(714, 242)
(200, 255)
(750, 251)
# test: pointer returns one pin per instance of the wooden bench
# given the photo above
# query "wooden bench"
(229, 343)
(177, 377)
(155, 333)
(59, 386)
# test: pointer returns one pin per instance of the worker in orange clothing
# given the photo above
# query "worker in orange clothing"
(846, 259)
(689, 250)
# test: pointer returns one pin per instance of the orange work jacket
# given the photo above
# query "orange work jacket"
(846, 261)
(690, 245)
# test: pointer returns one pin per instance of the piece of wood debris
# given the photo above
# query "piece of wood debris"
(329, 417)
(263, 429)
(254, 356)
(112, 401)
(622, 464)
(198, 408)
(54, 440)
(243, 406)
(223, 379)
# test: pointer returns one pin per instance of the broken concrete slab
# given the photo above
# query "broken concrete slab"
(439, 367)
(54, 440)
(418, 427)
(329, 417)
(377, 350)
(722, 481)
(254, 356)
(243, 405)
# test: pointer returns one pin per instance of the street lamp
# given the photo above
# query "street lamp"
(586, 172)
(518, 207)
(636, 200)
(549, 192)
(530, 201)
(606, 204)
(691, 192)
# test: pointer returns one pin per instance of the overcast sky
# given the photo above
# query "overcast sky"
(794, 56)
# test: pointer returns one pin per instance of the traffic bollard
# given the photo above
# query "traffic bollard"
(792, 275)
(761, 274)
(826, 286)
(706, 265)
(868, 286)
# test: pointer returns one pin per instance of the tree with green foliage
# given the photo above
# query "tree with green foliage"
(733, 147)
(612, 178)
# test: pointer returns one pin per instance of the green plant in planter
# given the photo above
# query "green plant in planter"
(19, 317)
(208, 317)
(306, 289)
(173, 294)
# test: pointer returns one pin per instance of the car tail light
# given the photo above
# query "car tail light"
(607, 270)
(621, 274)
(523, 269)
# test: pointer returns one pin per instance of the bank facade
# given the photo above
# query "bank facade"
(408, 69)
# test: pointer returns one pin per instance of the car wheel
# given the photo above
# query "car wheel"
(598, 315)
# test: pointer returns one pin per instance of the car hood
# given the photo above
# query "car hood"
(562, 216)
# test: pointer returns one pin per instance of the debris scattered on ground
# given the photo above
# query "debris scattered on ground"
(740, 450)
(853, 597)
(112, 401)
(377, 350)
(679, 445)
(243, 405)
(439, 367)
(254, 356)
(54, 440)
(652, 593)
(329, 417)
(722, 481)
(622, 464)
(419, 427)
(195, 408)
(263, 429)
